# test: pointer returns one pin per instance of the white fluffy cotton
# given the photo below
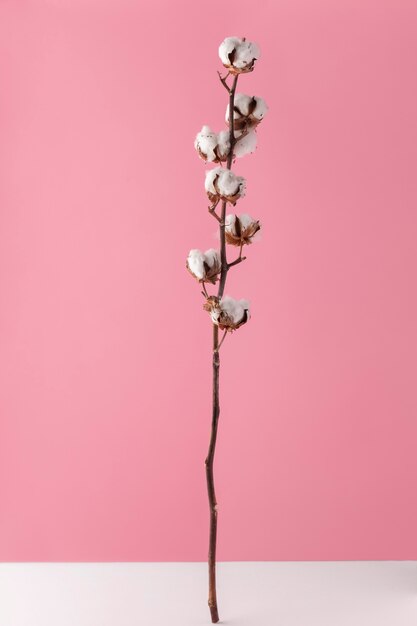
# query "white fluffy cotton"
(235, 309)
(212, 146)
(246, 145)
(206, 142)
(223, 142)
(248, 231)
(196, 260)
(244, 218)
(242, 105)
(212, 257)
(245, 52)
(228, 184)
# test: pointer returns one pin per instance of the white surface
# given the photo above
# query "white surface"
(170, 594)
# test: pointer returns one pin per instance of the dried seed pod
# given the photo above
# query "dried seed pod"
(223, 184)
(228, 313)
(241, 229)
(204, 266)
(238, 55)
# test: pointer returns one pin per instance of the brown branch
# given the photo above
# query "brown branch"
(236, 261)
(222, 339)
(212, 598)
(212, 212)
(223, 81)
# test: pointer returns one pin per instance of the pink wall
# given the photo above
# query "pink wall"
(105, 350)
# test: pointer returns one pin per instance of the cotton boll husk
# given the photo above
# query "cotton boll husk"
(246, 145)
(195, 263)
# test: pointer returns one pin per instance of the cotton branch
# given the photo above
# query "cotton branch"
(223, 81)
(236, 261)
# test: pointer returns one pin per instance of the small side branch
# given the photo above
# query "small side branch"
(212, 211)
(236, 261)
(223, 81)
(222, 339)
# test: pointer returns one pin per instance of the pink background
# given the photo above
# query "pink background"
(105, 349)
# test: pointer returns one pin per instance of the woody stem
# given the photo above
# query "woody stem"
(212, 598)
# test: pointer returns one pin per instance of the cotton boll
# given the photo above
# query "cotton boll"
(205, 143)
(223, 184)
(245, 304)
(233, 308)
(237, 311)
(195, 263)
(241, 106)
(227, 312)
(205, 267)
(241, 230)
(212, 147)
(223, 144)
(246, 145)
(212, 258)
(230, 222)
(248, 111)
(238, 55)
(261, 109)
(211, 176)
(231, 185)
(246, 53)
(245, 220)
(226, 47)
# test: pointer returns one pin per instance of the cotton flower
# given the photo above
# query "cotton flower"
(241, 229)
(204, 266)
(223, 184)
(212, 146)
(238, 55)
(227, 312)
(248, 111)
